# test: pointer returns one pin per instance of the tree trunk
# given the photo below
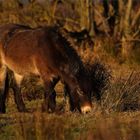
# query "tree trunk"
(91, 19)
(126, 45)
(84, 14)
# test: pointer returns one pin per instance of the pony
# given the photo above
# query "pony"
(44, 52)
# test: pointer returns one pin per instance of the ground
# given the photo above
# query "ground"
(70, 126)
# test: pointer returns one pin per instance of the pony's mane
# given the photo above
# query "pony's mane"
(76, 65)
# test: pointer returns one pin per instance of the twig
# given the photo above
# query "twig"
(135, 19)
(136, 33)
(131, 40)
(103, 21)
(67, 19)
(123, 87)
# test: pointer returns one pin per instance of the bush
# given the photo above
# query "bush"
(123, 94)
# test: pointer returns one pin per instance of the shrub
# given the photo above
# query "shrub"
(123, 94)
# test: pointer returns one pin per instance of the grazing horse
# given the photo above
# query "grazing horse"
(45, 52)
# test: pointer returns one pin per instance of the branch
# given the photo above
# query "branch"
(103, 21)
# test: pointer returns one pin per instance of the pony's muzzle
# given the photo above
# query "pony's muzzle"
(86, 109)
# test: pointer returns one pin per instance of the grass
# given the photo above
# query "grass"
(70, 126)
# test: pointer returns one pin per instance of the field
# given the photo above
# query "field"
(94, 126)
(111, 44)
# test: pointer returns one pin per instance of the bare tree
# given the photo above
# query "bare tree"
(126, 45)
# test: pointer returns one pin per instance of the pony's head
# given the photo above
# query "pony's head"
(93, 81)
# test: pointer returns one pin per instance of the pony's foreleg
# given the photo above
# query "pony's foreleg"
(48, 98)
(70, 87)
(50, 95)
(67, 93)
(15, 85)
(4, 88)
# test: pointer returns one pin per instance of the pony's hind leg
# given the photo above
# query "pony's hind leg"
(52, 97)
(3, 90)
(15, 85)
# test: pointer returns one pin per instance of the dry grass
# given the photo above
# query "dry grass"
(123, 94)
(69, 126)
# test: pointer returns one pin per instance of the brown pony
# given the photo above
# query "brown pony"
(45, 52)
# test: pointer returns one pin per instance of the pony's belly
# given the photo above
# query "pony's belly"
(21, 68)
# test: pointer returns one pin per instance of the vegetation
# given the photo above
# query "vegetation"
(106, 34)
(70, 126)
